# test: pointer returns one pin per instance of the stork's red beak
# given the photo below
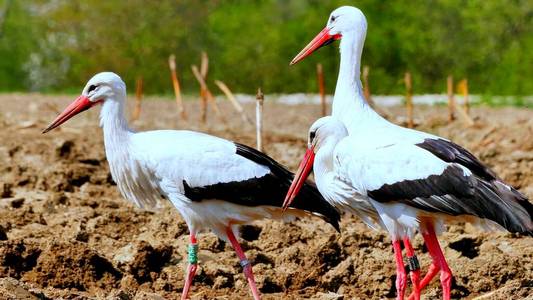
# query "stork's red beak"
(82, 103)
(301, 175)
(322, 39)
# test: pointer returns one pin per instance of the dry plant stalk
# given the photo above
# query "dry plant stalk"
(456, 108)
(409, 99)
(464, 110)
(451, 99)
(203, 106)
(366, 87)
(208, 96)
(463, 88)
(204, 68)
(138, 98)
(224, 88)
(259, 119)
(321, 89)
(176, 85)
(203, 98)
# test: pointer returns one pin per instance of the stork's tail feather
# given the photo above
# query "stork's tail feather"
(509, 208)
(308, 199)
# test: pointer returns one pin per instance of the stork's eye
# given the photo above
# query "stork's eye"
(91, 88)
(333, 18)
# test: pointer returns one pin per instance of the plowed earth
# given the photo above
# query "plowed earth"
(67, 233)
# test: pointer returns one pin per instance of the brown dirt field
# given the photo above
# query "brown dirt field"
(67, 233)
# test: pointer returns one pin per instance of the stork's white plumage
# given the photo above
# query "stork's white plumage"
(214, 183)
(414, 180)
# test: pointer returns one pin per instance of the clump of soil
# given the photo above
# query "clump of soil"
(146, 263)
(73, 266)
(18, 257)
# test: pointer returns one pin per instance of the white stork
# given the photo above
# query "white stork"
(415, 181)
(213, 183)
(406, 202)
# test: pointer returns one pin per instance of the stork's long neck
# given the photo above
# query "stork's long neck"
(348, 103)
(115, 127)
(323, 169)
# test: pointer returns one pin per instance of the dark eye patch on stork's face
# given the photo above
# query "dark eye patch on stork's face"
(100, 91)
(95, 93)
(312, 135)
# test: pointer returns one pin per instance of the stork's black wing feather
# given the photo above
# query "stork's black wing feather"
(269, 189)
(451, 152)
(452, 192)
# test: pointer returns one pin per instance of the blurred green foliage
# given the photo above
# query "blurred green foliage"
(57, 45)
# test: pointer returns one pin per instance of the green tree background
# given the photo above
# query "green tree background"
(57, 45)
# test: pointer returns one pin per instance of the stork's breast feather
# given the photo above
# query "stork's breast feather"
(135, 181)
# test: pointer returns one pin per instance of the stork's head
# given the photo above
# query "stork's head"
(101, 87)
(326, 131)
(342, 21)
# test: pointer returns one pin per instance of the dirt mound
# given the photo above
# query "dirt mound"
(18, 257)
(146, 263)
(73, 266)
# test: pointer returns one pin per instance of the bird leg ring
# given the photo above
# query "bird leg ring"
(412, 263)
(414, 267)
(244, 263)
(193, 254)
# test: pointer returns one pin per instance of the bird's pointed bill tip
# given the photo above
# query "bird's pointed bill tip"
(284, 206)
(48, 128)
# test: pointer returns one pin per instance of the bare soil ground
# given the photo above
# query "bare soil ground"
(67, 233)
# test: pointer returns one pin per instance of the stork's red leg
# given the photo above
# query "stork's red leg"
(414, 267)
(193, 265)
(401, 276)
(438, 263)
(432, 270)
(438, 258)
(245, 263)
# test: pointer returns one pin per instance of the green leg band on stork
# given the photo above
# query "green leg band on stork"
(193, 254)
